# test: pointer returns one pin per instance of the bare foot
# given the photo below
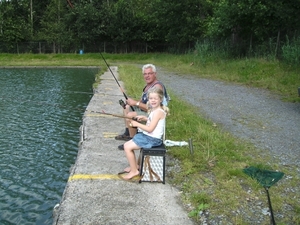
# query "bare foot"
(131, 175)
(127, 169)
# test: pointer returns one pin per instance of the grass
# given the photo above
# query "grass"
(272, 75)
(210, 178)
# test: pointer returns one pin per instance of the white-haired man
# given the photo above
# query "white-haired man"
(140, 106)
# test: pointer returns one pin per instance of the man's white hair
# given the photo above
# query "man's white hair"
(149, 66)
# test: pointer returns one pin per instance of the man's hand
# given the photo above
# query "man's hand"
(131, 102)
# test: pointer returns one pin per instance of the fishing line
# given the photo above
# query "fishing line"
(59, 90)
(66, 107)
(72, 92)
(22, 101)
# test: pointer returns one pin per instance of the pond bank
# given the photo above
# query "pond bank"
(94, 194)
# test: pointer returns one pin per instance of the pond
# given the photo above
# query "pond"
(41, 111)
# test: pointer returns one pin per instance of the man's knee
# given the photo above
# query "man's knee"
(131, 114)
(126, 109)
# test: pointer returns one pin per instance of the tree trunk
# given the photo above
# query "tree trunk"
(250, 47)
(31, 17)
(54, 48)
(277, 43)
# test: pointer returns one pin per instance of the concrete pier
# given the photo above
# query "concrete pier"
(94, 194)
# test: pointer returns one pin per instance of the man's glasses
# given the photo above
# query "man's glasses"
(145, 74)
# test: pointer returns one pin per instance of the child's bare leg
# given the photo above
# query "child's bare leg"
(129, 148)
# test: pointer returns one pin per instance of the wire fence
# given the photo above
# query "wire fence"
(109, 47)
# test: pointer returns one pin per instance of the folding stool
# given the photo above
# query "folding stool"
(152, 163)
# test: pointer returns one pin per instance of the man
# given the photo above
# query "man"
(140, 106)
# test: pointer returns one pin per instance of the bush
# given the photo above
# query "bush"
(291, 51)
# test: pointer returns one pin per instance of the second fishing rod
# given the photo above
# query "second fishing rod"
(121, 102)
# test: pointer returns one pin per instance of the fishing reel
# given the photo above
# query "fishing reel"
(122, 103)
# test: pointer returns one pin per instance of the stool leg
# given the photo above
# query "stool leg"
(141, 164)
(164, 169)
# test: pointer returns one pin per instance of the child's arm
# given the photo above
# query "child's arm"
(150, 127)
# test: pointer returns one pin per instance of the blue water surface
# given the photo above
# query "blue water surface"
(40, 115)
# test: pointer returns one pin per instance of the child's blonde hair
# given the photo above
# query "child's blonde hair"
(160, 93)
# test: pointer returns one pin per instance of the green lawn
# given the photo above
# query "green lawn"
(212, 177)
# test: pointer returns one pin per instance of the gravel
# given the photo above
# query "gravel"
(248, 113)
(251, 114)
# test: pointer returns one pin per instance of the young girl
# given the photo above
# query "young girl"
(152, 132)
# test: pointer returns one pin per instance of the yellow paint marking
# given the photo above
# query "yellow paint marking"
(107, 103)
(94, 177)
(108, 89)
(109, 134)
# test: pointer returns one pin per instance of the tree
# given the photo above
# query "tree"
(124, 25)
(180, 22)
(253, 21)
(14, 24)
(52, 25)
(87, 22)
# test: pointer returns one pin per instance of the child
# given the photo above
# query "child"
(151, 134)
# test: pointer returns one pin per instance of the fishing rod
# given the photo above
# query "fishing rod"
(110, 114)
(116, 80)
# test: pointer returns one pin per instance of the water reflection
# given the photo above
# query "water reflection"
(39, 122)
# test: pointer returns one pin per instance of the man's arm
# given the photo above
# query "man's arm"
(141, 105)
(137, 103)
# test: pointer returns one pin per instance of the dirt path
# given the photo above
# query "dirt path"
(249, 113)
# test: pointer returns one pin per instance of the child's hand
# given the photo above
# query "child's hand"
(141, 118)
(133, 123)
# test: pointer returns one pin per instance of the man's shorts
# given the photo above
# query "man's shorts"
(140, 112)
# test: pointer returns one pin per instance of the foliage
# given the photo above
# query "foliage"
(195, 212)
(14, 26)
(245, 28)
(291, 51)
(52, 26)
(207, 50)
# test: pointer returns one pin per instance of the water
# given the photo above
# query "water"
(40, 115)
